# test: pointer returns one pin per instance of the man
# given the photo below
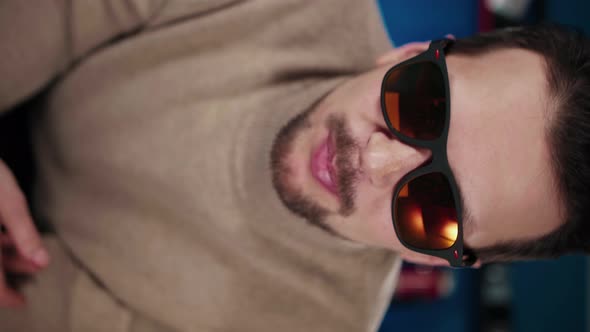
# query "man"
(188, 152)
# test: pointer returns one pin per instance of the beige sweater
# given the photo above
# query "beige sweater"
(153, 157)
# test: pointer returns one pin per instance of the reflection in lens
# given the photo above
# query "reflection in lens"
(415, 100)
(426, 215)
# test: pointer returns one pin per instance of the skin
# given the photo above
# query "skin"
(496, 147)
(21, 250)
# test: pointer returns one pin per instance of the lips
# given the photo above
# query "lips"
(322, 167)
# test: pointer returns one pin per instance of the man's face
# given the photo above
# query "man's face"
(337, 166)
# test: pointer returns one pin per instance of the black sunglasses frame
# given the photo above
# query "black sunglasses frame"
(457, 255)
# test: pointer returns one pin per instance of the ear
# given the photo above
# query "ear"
(422, 259)
(477, 264)
(402, 53)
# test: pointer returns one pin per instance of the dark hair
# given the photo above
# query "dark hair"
(566, 52)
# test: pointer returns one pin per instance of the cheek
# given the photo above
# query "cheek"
(371, 222)
(374, 214)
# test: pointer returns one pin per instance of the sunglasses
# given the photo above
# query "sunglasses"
(426, 206)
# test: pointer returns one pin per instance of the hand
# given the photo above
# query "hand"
(404, 52)
(21, 250)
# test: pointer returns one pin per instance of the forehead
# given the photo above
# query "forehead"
(500, 109)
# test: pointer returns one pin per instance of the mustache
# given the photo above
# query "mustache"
(347, 175)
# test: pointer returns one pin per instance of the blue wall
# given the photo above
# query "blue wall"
(456, 313)
(550, 295)
(418, 20)
(573, 12)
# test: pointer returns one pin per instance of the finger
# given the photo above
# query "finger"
(6, 241)
(9, 298)
(403, 52)
(19, 265)
(8, 247)
(14, 215)
(450, 36)
(14, 262)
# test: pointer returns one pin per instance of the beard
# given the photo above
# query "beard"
(293, 197)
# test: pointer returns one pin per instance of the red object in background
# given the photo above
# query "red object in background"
(424, 283)
(486, 18)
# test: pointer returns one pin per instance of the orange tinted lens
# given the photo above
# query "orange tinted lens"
(426, 214)
(415, 100)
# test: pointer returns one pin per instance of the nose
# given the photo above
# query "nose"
(386, 160)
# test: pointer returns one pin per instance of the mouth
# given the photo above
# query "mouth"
(322, 165)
